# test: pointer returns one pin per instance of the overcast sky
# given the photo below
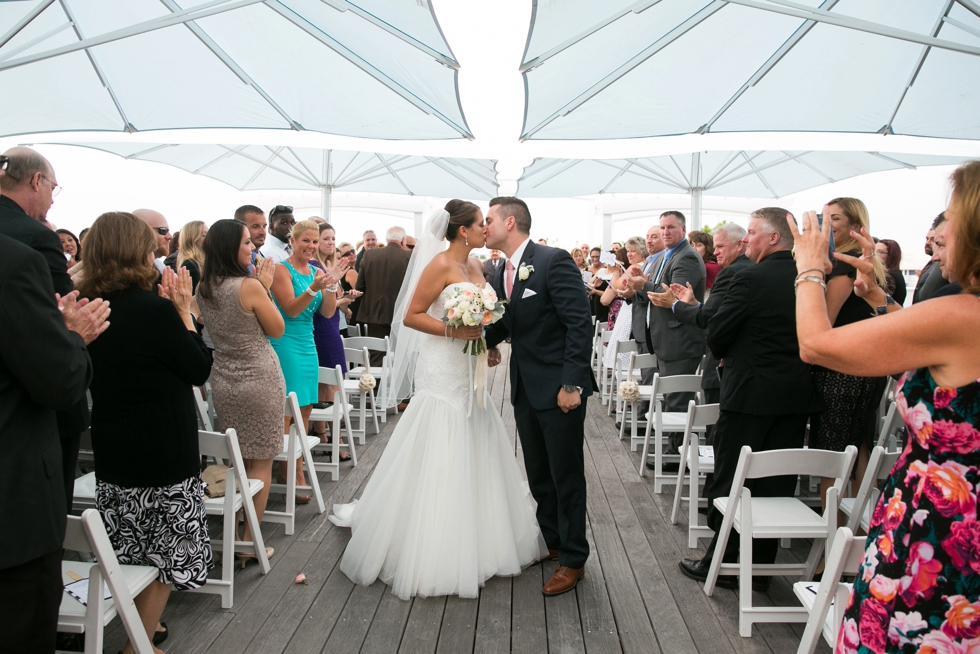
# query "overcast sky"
(488, 37)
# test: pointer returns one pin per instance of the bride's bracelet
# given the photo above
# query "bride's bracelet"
(446, 331)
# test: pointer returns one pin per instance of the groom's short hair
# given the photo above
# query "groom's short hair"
(511, 206)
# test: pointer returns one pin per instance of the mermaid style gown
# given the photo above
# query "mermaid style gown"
(447, 506)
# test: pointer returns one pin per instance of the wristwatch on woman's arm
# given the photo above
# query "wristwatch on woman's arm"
(882, 309)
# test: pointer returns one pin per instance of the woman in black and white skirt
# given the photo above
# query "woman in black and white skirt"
(144, 429)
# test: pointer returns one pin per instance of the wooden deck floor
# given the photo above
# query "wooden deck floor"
(633, 598)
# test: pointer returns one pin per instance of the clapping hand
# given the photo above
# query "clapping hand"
(866, 285)
(684, 293)
(811, 243)
(664, 300)
(635, 277)
(265, 272)
(336, 272)
(177, 288)
(87, 319)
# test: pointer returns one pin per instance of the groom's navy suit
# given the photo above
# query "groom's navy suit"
(550, 327)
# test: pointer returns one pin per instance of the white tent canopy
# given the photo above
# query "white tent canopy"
(362, 68)
(260, 167)
(761, 174)
(627, 68)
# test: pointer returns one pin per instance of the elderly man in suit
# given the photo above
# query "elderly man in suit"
(380, 279)
(44, 368)
(767, 392)
(490, 266)
(679, 347)
(730, 252)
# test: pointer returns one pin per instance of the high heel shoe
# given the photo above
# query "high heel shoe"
(245, 557)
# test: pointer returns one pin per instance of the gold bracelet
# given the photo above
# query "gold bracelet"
(819, 270)
(810, 278)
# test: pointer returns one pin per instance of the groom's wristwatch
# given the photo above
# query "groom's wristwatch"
(568, 388)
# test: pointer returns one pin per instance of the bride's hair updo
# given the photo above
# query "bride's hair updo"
(461, 214)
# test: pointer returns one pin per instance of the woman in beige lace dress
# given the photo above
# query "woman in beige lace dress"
(248, 385)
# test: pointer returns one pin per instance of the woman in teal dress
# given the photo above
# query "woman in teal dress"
(918, 586)
(298, 292)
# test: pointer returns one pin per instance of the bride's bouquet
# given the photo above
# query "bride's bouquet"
(469, 307)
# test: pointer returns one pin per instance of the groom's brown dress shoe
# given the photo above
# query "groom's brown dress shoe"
(552, 555)
(563, 580)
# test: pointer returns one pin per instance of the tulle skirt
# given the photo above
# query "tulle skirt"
(446, 508)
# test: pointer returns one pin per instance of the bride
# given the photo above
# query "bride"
(446, 507)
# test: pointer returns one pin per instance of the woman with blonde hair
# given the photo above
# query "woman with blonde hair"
(579, 258)
(190, 252)
(922, 541)
(851, 401)
(148, 479)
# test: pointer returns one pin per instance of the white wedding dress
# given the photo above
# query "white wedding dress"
(447, 506)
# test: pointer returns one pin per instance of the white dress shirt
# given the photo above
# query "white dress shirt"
(274, 249)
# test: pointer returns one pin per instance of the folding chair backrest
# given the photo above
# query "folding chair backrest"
(879, 468)
(292, 411)
(370, 342)
(333, 376)
(203, 416)
(676, 384)
(702, 414)
(798, 461)
(887, 396)
(845, 558)
(221, 446)
(893, 424)
(645, 361)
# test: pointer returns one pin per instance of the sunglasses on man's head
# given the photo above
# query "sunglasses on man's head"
(4, 161)
(162, 231)
(280, 208)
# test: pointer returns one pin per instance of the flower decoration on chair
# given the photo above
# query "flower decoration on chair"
(366, 382)
(629, 390)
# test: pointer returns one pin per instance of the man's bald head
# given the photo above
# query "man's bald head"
(24, 164)
(30, 181)
(158, 224)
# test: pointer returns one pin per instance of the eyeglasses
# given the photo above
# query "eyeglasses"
(411, 247)
(4, 161)
(162, 231)
(55, 189)
(347, 254)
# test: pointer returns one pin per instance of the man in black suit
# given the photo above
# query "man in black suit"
(550, 328)
(44, 368)
(730, 252)
(490, 266)
(931, 278)
(27, 192)
(767, 393)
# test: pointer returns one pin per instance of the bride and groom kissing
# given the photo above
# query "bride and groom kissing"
(446, 507)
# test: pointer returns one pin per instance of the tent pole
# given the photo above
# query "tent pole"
(327, 188)
(606, 231)
(695, 209)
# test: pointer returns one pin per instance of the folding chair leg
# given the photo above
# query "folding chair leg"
(311, 475)
(745, 574)
(679, 486)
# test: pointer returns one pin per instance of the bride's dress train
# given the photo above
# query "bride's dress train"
(447, 506)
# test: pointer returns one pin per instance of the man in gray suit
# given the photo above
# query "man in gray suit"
(490, 266)
(380, 279)
(730, 252)
(679, 347)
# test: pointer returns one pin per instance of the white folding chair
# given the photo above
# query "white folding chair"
(699, 460)
(296, 449)
(661, 422)
(361, 359)
(381, 373)
(859, 508)
(827, 600)
(601, 328)
(225, 446)
(204, 421)
(620, 371)
(892, 428)
(605, 338)
(339, 410)
(638, 362)
(87, 534)
(776, 517)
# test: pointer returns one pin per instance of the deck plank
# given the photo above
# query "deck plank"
(424, 623)
(458, 625)
(493, 619)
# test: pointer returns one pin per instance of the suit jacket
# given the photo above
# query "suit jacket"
(489, 270)
(19, 226)
(754, 331)
(930, 281)
(550, 330)
(43, 368)
(670, 338)
(692, 314)
(641, 305)
(380, 279)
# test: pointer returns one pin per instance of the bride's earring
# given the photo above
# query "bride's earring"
(466, 239)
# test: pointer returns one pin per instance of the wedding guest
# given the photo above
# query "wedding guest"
(635, 252)
(594, 264)
(326, 330)
(297, 290)
(577, 256)
(922, 544)
(380, 279)
(190, 253)
(930, 278)
(850, 413)
(148, 479)
(641, 304)
(246, 378)
(542, 241)
(349, 281)
(409, 242)
(161, 230)
(71, 246)
(889, 252)
(597, 286)
(369, 241)
(704, 245)
(490, 266)
(768, 395)
(254, 220)
(615, 246)
(281, 222)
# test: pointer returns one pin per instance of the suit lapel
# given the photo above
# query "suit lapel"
(526, 259)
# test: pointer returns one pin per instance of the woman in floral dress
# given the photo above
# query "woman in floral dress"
(918, 587)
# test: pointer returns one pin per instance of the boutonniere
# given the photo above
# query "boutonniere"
(524, 272)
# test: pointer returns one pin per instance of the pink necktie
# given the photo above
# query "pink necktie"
(509, 278)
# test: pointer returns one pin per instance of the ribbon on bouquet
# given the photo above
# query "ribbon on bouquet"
(479, 377)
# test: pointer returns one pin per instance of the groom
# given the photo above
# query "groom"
(550, 328)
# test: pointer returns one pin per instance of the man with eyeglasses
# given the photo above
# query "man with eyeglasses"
(27, 191)
(281, 221)
(161, 229)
